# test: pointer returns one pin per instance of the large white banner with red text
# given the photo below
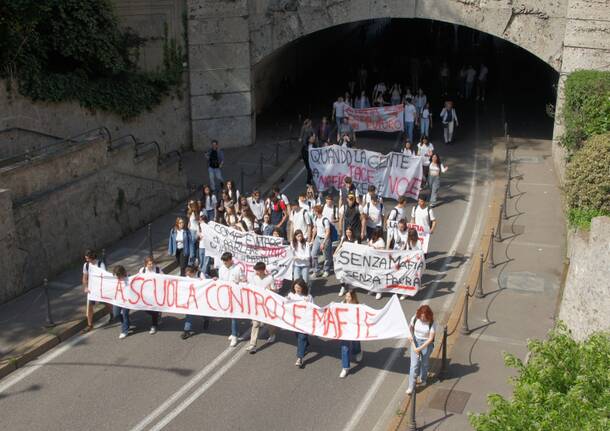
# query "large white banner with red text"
(383, 119)
(181, 295)
(393, 174)
(249, 248)
(382, 271)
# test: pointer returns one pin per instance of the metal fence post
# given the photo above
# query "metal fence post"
(499, 228)
(150, 242)
(479, 290)
(443, 372)
(464, 330)
(412, 425)
(490, 253)
(505, 201)
(45, 288)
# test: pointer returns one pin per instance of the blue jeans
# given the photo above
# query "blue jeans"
(188, 322)
(210, 214)
(424, 126)
(203, 261)
(215, 174)
(348, 348)
(302, 344)
(300, 272)
(339, 121)
(124, 314)
(419, 363)
(409, 129)
(328, 254)
(435, 182)
(234, 328)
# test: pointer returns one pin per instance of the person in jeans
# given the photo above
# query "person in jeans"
(150, 268)
(449, 120)
(349, 235)
(181, 245)
(349, 348)
(263, 280)
(322, 242)
(92, 260)
(121, 274)
(302, 256)
(188, 332)
(435, 170)
(215, 158)
(230, 271)
(421, 335)
(300, 292)
(410, 116)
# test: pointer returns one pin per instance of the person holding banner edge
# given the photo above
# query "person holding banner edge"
(349, 348)
(232, 272)
(263, 280)
(302, 256)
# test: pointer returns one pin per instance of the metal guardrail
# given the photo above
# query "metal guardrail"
(141, 148)
(84, 137)
(170, 157)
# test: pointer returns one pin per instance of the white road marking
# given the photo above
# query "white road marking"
(45, 359)
(200, 391)
(361, 409)
(293, 179)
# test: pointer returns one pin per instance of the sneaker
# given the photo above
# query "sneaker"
(87, 328)
(122, 335)
(403, 297)
(378, 296)
(343, 373)
(325, 274)
(271, 339)
(299, 363)
(359, 357)
(233, 342)
(153, 330)
(369, 292)
(342, 291)
(187, 334)
(409, 391)
(251, 349)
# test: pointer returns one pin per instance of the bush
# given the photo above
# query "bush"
(61, 50)
(564, 386)
(587, 187)
(586, 110)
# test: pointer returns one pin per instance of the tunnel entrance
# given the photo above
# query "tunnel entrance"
(304, 77)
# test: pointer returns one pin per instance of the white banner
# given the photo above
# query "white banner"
(380, 270)
(248, 248)
(181, 295)
(393, 174)
(383, 119)
(423, 235)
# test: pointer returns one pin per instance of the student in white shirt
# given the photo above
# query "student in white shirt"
(425, 120)
(376, 241)
(421, 100)
(257, 205)
(348, 236)
(421, 334)
(424, 150)
(322, 242)
(397, 213)
(410, 115)
(188, 332)
(311, 198)
(262, 279)
(401, 236)
(150, 267)
(339, 110)
(229, 271)
(449, 120)
(300, 292)
(423, 215)
(302, 256)
(300, 219)
(121, 275)
(372, 216)
(92, 260)
(330, 210)
(435, 170)
(407, 148)
(349, 349)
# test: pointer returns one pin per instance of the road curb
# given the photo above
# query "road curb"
(33, 348)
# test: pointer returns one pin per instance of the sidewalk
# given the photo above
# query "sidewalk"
(23, 335)
(520, 296)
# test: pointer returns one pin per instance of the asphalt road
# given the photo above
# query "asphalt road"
(159, 381)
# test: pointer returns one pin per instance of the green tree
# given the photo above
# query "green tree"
(565, 385)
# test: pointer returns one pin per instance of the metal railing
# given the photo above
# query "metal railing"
(142, 147)
(170, 157)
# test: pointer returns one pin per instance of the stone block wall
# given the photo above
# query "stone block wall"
(586, 295)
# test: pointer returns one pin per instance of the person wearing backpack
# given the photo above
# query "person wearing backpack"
(423, 215)
(148, 268)
(331, 211)
(278, 212)
(324, 233)
(449, 120)
(421, 336)
(372, 216)
(396, 214)
(92, 260)
(300, 220)
(350, 217)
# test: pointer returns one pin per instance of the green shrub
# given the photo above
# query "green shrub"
(586, 110)
(587, 187)
(564, 386)
(62, 50)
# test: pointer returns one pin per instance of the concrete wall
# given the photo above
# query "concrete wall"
(83, 197)
(14, 141)
(586, 296)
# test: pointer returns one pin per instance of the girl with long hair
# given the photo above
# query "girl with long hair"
(421, 335)
(349, 349)
(300, 292)
(302, 256)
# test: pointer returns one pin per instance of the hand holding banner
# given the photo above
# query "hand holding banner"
(181, 295)
(380, 270)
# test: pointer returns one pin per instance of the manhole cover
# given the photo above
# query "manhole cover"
(515, 229)
(451, 401)
(528, 159)
(525, 281)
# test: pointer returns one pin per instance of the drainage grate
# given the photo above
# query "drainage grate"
(451, 401)
(524, 281)
(528, 159)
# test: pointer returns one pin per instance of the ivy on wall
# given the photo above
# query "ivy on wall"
(66, 50)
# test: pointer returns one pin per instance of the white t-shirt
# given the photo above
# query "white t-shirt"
(425, 113)
(301, 220)
(180, 239)
(294, 297)
(395, 215)
(145, 270)
(257, 208)
(210, 202)
(420, 101)
(422, 329)
(374, 214)
(436, 170)
(378, 245)
(421, 216)
(410, 112)
(193, 223)
(234, 273)
(400, 238)
(407, 152)
(302, 253)
(424, 150)
(200, 234)
(470, 74)
(322, 223)
(331, 213)
(339, 108)
(267, 282)
(94, 263)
